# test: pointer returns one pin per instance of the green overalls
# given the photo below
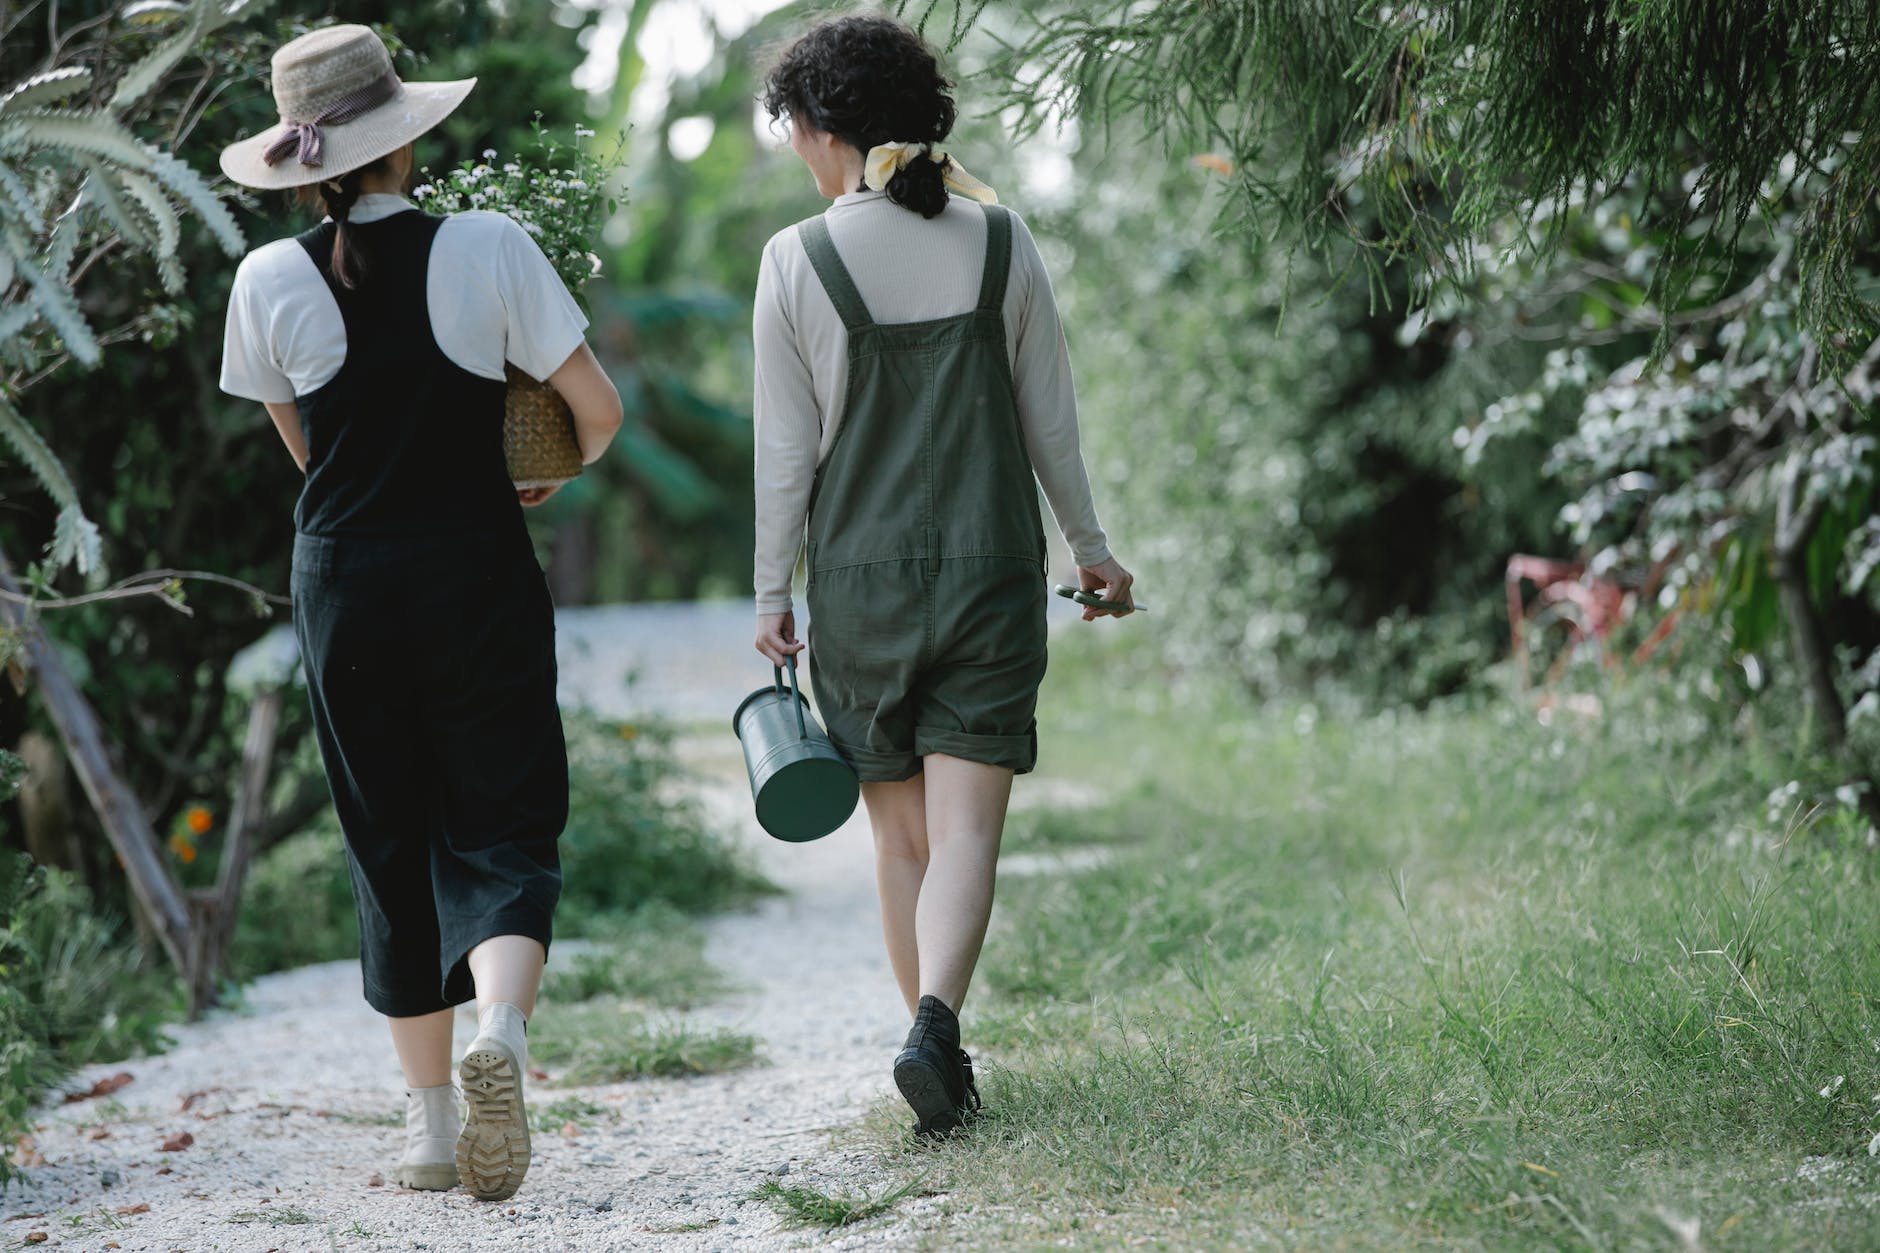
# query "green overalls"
(926, 550)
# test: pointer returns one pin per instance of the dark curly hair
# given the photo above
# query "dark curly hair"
(869, 81)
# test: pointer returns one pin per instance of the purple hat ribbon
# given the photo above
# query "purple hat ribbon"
(304, 138)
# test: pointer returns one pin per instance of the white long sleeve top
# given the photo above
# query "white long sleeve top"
(908, 269)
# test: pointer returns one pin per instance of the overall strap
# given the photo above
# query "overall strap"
(834, 275)
(998, 258)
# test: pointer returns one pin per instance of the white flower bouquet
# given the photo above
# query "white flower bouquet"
(559, 194)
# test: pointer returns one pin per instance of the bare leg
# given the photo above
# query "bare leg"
(507, 969)
(423, 1045)
(898, 814)
(966, 803)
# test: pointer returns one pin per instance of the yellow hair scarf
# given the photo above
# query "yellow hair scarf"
(884, 159)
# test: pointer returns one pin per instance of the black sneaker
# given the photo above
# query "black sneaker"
(932, 1072)
(973, 1104)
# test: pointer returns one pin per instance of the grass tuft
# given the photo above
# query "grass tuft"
(606, 1042)
(809, 1206)
(655, 954)
(580, 1111)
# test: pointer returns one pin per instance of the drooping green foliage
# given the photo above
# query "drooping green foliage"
(1638, 241)
(1416, 130)
(75, 177)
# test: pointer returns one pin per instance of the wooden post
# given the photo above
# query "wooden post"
(215, 911)
(123, 818)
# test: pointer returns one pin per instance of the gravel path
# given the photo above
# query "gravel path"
(286, 1102)
(292, 1102)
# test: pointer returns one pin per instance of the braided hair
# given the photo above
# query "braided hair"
(337, 197)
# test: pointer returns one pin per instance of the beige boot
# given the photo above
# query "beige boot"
(493, 1151)
(432, 1126)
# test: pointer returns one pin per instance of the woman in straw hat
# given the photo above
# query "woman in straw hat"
(377, 341)
(912, 392)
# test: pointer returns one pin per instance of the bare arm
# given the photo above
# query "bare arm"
(593, 398)
(287, 421)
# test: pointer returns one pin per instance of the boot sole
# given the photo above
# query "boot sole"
(926, 1094)
(428, 1178)
(493, 1151)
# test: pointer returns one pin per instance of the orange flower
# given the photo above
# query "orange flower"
(628, 731)
(184, 850)
(198, 819)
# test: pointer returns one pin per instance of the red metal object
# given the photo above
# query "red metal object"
(1590, 606)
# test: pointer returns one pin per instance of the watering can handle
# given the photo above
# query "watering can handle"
(801, 725)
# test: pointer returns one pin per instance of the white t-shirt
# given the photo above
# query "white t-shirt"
(491, 293)
(908, 269)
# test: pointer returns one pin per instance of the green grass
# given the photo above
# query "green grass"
(581, 1112)
(1454, 979)
(607, 1042)
(812, 1207)
(655, 955)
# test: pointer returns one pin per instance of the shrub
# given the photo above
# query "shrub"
(72, 990)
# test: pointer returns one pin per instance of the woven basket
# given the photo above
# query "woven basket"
(538, 433)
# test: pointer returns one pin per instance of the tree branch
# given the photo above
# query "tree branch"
(156, 583)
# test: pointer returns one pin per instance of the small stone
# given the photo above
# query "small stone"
(604, 1207)
(780, 1169)
(109, 1177)
(729, 1221)
(101, 1133)
(37, 1237)
(377, 1181)
(166, 1170)
(178, 1142)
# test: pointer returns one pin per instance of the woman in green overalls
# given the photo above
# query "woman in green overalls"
(912, 392)
(377, 341)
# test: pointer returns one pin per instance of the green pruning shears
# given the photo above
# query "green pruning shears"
(1094, 601)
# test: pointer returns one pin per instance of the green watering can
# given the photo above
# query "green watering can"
(802, 786)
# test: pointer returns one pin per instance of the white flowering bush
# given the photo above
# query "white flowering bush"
(557, 192)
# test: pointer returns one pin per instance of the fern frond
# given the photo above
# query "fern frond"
(100, 192)
(142, 78)
(93, 132)
(44, 89)
(198, 20)
(75, 541)
(238, 10)
(54, 301)
(197, 195)
(14, 318)
(15, 194)
(223, 12)
(62, 246)
(152, 12)
(36, 456)
(169, 228)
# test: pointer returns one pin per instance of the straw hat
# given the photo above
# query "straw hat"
(342, 106)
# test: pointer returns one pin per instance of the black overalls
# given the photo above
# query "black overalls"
(428, 638)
